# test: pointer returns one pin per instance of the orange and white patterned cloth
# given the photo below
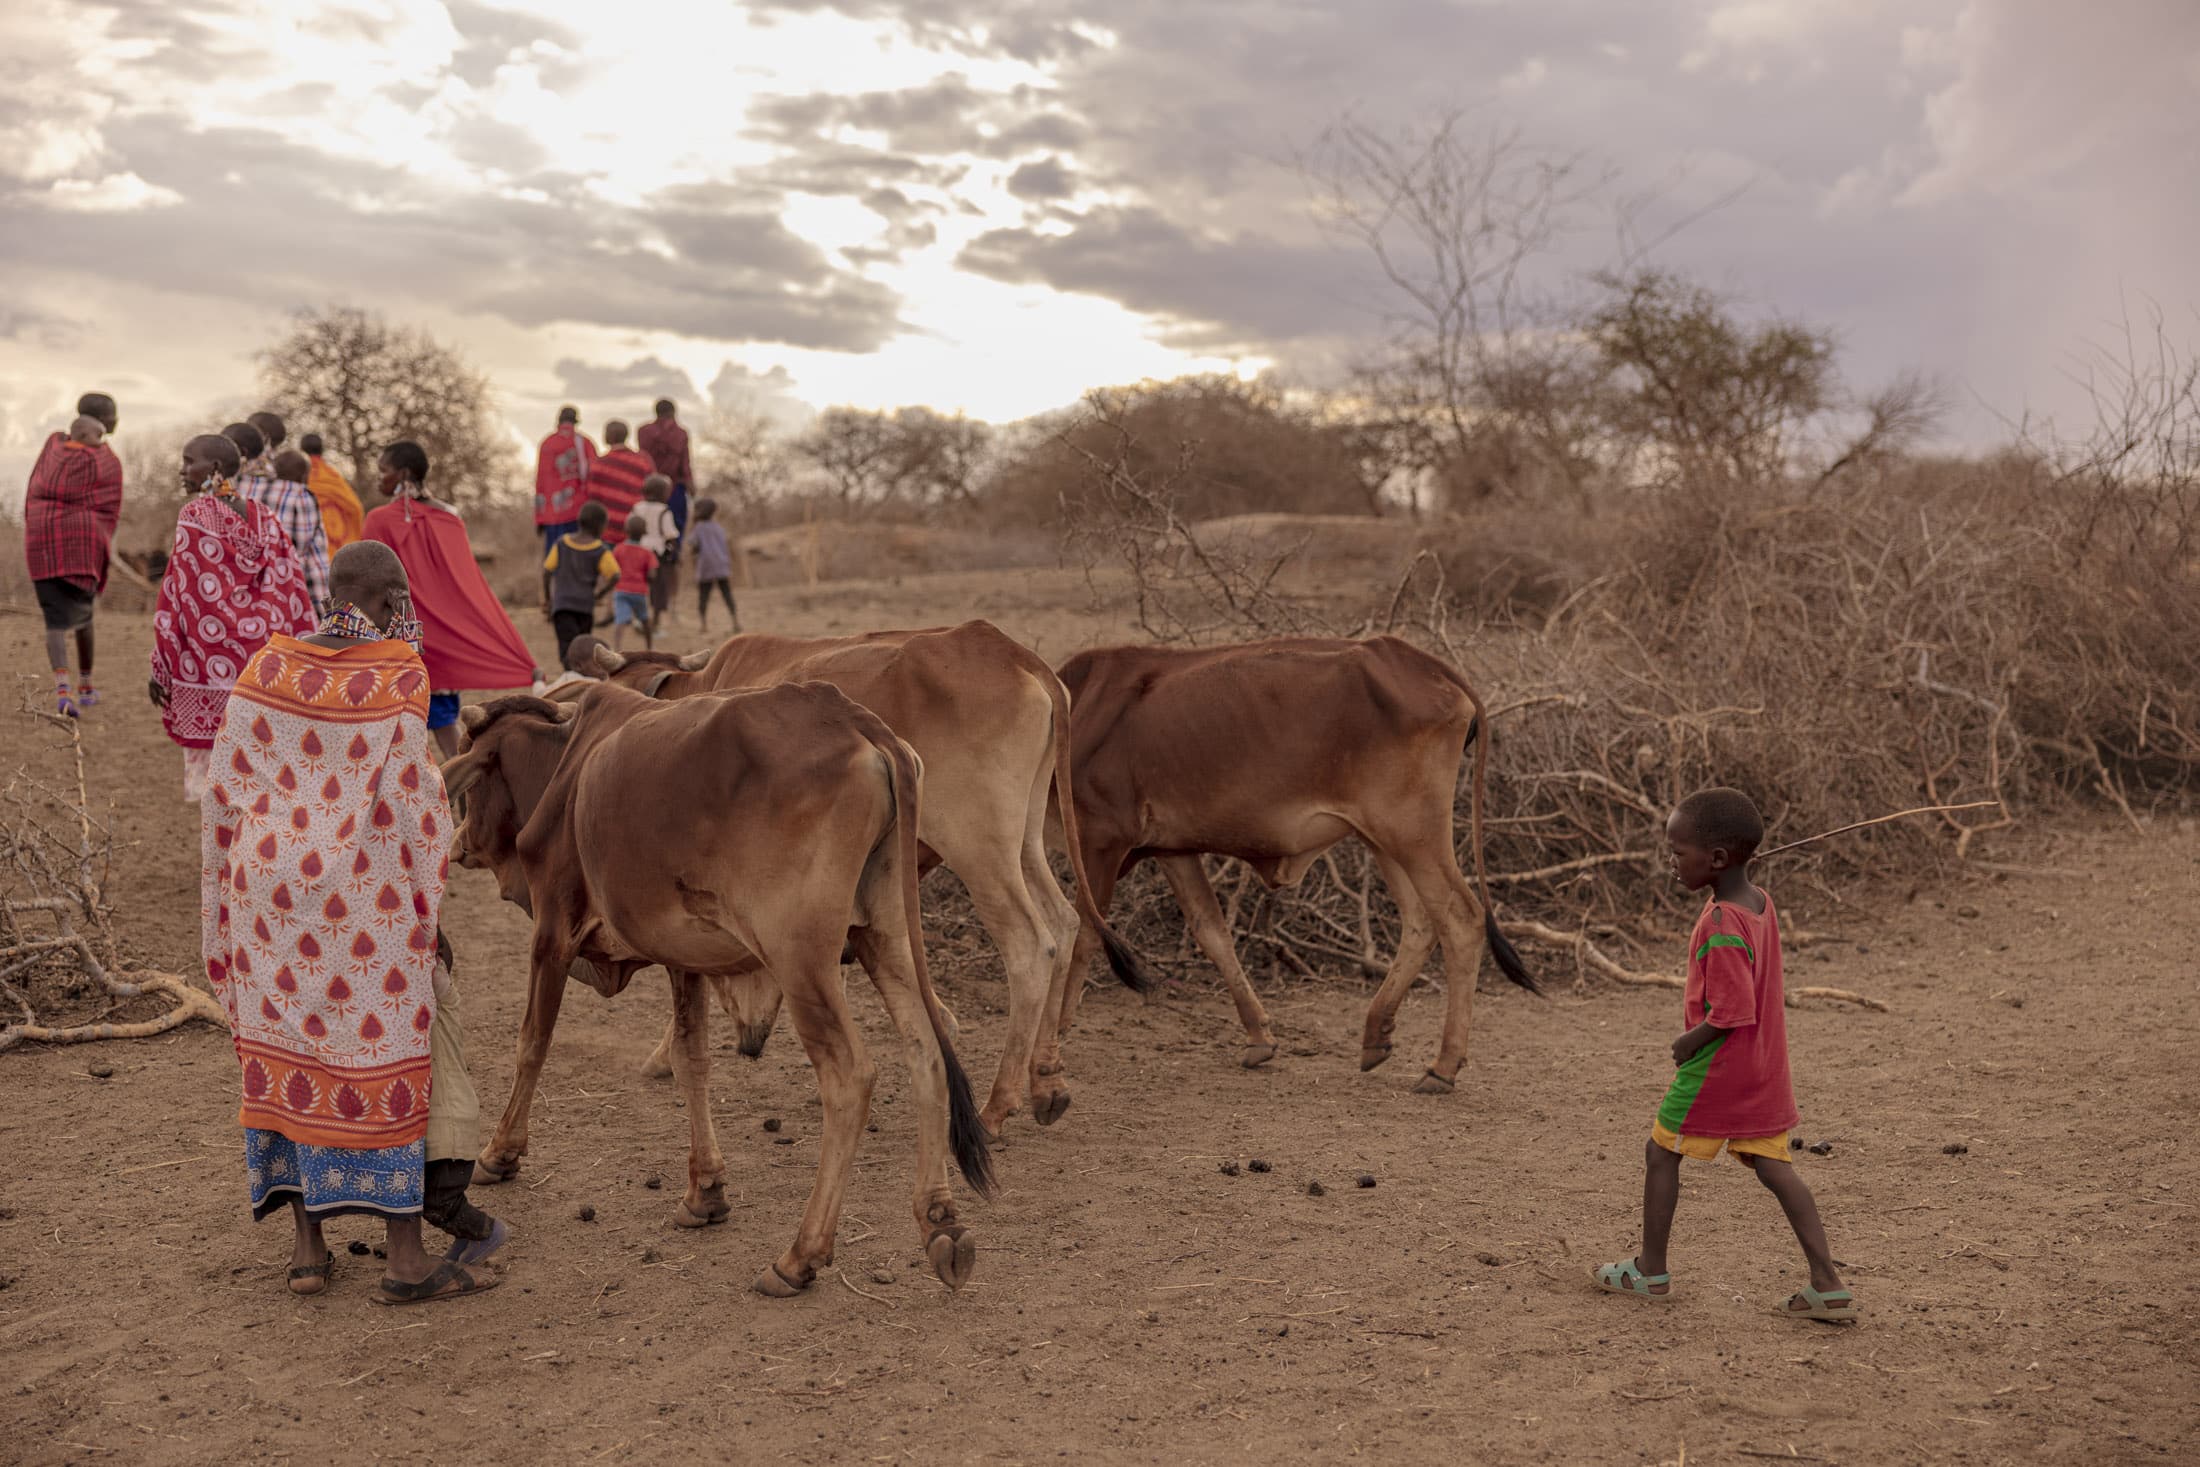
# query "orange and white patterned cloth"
(324, 830)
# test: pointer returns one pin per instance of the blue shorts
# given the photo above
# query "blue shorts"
(442, 710)
(629, 607)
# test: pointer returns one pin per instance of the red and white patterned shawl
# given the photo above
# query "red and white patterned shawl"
(323, 873)
(232, 582)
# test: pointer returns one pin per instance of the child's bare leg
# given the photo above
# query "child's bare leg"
(1785, 1183)
(1661, 1193)
(409, 1262)
(446, 739)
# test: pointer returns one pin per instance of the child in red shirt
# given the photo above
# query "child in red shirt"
(1732, 1089)
(630, 601)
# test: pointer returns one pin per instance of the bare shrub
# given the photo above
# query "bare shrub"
(1939, 633)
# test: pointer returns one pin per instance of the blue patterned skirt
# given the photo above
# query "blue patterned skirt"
(331, 1180)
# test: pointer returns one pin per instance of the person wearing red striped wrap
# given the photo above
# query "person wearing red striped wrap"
(1731, 1089)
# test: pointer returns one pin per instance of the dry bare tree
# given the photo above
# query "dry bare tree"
(1466, 225)
(363, 384)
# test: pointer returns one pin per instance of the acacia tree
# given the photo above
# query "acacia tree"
(362, 384)
(913, 457)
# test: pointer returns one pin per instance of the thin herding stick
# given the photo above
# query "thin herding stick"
(1879, 820)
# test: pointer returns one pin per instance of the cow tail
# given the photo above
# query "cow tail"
(965, 1135)
(1124, 962)
(1478, 734)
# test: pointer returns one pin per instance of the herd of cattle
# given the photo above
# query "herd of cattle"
(756, 816)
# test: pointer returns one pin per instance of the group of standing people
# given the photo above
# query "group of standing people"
(624, 514)
(304, 653)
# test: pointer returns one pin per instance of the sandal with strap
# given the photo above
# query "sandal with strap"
(1628, 1278)
(67, 706)
(86, 697)
(449, 1281)
(320, 1273)
(1833, 1306)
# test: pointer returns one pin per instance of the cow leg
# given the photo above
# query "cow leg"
(499, 1160)
(1196, 896)
(1103, 868)
(884, 953)
(1437, 881)
(844, 1079)
(705, 1202)
(1049, 1091)
(1027, 947)
(1417, 935)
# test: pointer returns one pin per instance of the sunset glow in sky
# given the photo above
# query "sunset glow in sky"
(992, 205)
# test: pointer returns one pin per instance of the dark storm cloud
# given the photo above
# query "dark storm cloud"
(735, 271)
(630, 389)
(1223, 291)
(1042, 180)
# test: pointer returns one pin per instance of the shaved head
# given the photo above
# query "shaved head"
(271, 428)
(368, 574)
(292, 465)
(250, 441)
(212, 451)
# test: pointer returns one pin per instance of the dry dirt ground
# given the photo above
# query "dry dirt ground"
(2029, 1299)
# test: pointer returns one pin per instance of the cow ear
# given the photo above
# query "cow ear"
(473, 717)
(609, 660)
(695, 662)
(463, 773)
(563, 712)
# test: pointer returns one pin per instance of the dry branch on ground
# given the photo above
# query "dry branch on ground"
(56, 926)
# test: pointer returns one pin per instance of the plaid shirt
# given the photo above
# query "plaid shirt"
(69, 512)
(299, 513)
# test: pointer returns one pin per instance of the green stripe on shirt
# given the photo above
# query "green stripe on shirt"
(1680, 1098)
(1725, 939)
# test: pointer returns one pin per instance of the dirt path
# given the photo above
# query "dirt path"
(2030, 1299)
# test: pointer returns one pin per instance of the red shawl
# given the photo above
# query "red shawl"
(69, 512)
(616, 483)
(471, 644)
(232, 582)
(322, 851)
(561, 475)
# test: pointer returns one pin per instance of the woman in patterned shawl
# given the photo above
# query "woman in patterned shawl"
(232, 582)
(323, 873)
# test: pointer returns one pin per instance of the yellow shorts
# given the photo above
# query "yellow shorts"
(1706, 1148)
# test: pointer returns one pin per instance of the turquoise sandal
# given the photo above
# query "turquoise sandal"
(1628, 1278)
(1834, 1306)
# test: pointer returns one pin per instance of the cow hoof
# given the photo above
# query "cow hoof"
(751, 1041)
(1047, 1109)
(1433, 1084)
(488, 1175)
(1257, 1055)
(713, 1211)
(1372, 1055)
(773, 1284)
(954, 1255)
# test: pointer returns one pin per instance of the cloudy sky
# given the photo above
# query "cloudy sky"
(989, 205)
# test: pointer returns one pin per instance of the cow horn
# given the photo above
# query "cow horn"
(695, 662)
(472, 717)
(563, 712)
(463, 773)
(609, 660)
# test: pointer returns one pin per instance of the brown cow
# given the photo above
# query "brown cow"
(987, 717)
(1272, 752)
(777, 825)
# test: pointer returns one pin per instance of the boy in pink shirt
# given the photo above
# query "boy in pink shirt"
(1731, 1090)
